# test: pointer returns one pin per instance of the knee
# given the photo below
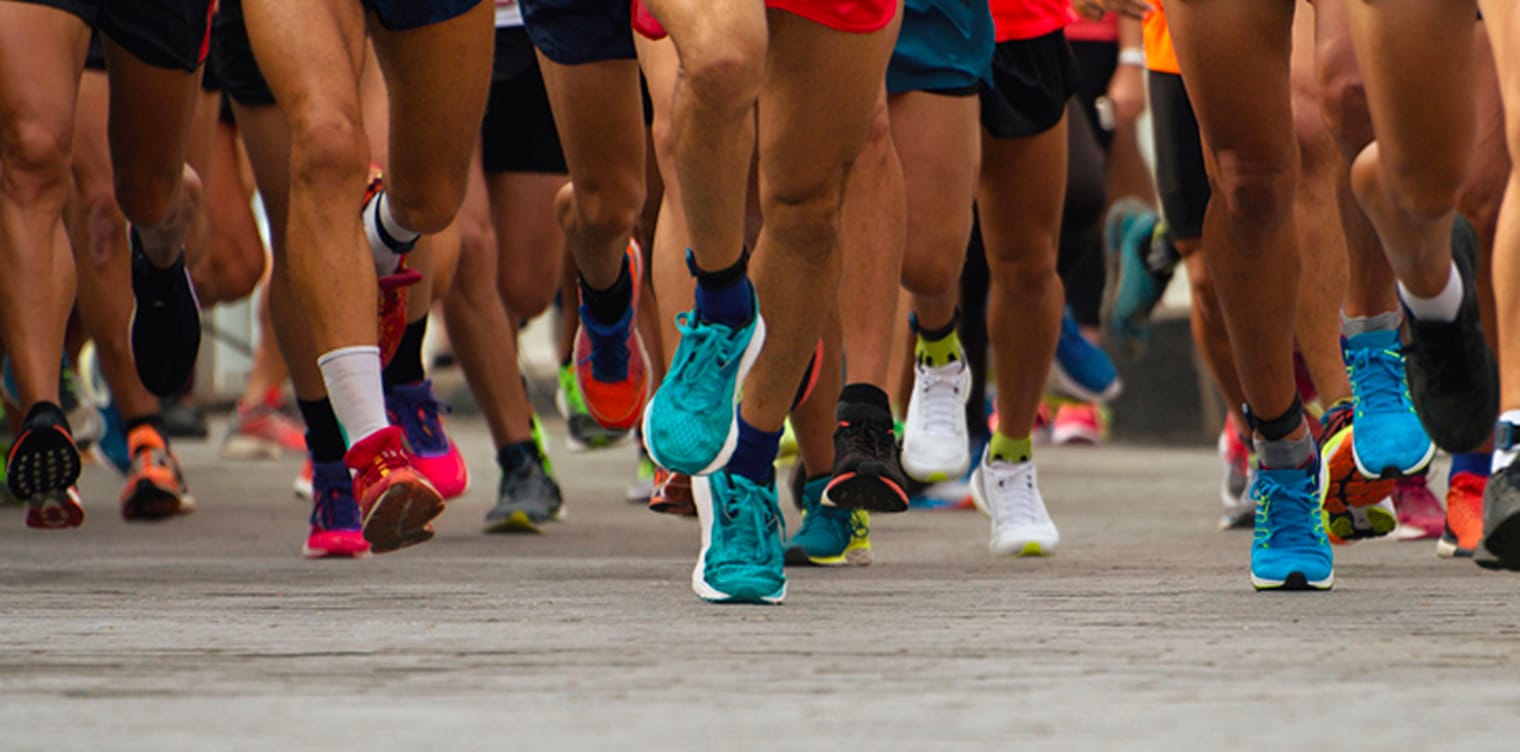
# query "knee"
(1254, 191)
(36, 161)
(145, 196)
(724, 75)
(428, 211)
(1031, 273)
(806, 214)
(1343, 105)
(931, 276)
(328, 150)
(609, 207)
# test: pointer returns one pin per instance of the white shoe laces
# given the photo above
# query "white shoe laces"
(941, 404)
(1015, 499)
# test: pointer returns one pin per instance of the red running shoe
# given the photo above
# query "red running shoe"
(395, 501)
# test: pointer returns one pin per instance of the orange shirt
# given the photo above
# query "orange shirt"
(1160, 56)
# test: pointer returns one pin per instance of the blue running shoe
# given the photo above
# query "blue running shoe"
(742, 559)
(1082, 370)
(1290, 550)
(1389, 441)
(1133, 288)
(830, 536)
(692, 423)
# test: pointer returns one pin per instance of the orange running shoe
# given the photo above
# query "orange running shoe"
(395, 501)
(611, 364)
(1353, 502)
(393, 287)
(1464, 516)
(155, 488)
(672, 494)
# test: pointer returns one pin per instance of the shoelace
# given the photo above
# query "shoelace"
(1379, 367)
(751, 526)
(609, 349)
(940, 398)
(422, 423)
(1274, 499)
(704, 353)
(865, 436)
(1014, 498)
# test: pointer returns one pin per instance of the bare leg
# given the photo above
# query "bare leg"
(872, 235)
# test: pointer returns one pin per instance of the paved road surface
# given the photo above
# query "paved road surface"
(210, 632)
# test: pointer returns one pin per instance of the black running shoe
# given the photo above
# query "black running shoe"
(527, 496)
(42, 467)
(1453, 379)
(867, 471)
(166, 323)
(1500, 548)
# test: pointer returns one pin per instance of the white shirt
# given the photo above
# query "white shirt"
(508, 14)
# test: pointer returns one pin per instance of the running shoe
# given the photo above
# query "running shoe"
(113, 443)
(262, 432)
(1081, 369)
(1353, 508)
(1080, 423)
(584, 432)
(42, 466)
(642, 488)
(397, 501)
(611, 365)
(1453, 380)
(1464, 516)
(829, 537)
(183, 419)
(527, 496)
(1389, 442)
(166, 322)
(155, 488)
(867, 472)
(1134, 285)
(304, 485)
(936, 444)
(1290, 549)
(672, 494)
(83, 414)
(1420, 512)
(336, 529)
(742, 559)
(1236, 454)
(414, 409)
(1501, 522)
(1009, 494)
(692, 423)
(1044, 425)
(786, 451)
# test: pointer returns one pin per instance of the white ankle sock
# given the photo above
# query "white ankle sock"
(379, 213)
(1504, 457)
(1441, 308)
(352, 375)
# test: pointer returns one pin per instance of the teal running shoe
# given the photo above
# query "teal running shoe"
(830, 537)
(692, 423)
(1290, 550)
(742, 559)
(1134, 284)
(1389, 441)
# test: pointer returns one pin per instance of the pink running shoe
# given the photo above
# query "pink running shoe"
(263, 432)
(1420, 513)
(1079, 423)
(336, 530)
(413, 408)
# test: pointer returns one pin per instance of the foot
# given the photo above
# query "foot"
(1236, 455)
(166, 322)
(414, 409)
(742, 557)
(1389, 442)
(155, 488)
(936, 445)
(672, 494)
(527, 496)
(397, 501)
(336, 528)
(829, 537)
(1009, 494)
(1290, 549)
(1464, 516)
(42, 467)
(1420, 512)
(262, 432)
(1352, 500)
(1134, 287)
(583, 431)
(692, 423)
(1081, 369)
(1080, 423)
(303, 485)
(642, 487)
(867, 471)
(611, 365)
(1453, 379)
(55, 510)
(1501, 522)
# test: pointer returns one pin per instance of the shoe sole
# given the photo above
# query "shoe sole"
(751, 354)
(1501, 546)
(857, 557)
(867, 489)
(1295, 581)
(1066, 385)
(937, 473)
(517, 522)
(1352, 496)
(149, 502)
(703, 502)
(1394, 473)
(251, 448)
(1030, 548)
(307, 552)
(42, 460)
(400, 517)
(55, 512)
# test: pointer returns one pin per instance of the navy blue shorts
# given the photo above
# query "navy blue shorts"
(403, 15)
(575, 32)
(945, 47)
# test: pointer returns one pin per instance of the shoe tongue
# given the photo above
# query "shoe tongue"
(854, 412)
(1378, 339)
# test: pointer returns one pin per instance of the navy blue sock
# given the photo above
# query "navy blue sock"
(1477, 463)
(755, 456)
(724, 296)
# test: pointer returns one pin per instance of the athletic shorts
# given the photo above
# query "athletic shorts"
(575, 32)
(1032, 79)
(853, 16)
(518, 132)
(402, 15)
(161, 33)
(241, 79)
(1181, 179)
(945, 47)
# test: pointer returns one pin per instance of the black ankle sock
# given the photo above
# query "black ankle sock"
(865, 394)
(155, 420)
(512, 455)
(608, 306)
(406, 366)
(725, 277)
(47, 414)
(935, 335)
(324, 438)
(1278, 428)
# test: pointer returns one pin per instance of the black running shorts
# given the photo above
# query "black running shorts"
(1031, 81)
(161, 33)
(241, 79)
(1181, 179)
(518, 132)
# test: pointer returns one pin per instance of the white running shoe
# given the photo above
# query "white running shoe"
(1009, 493)
(936, 446)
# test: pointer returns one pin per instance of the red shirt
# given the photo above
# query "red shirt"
(1027, 19)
